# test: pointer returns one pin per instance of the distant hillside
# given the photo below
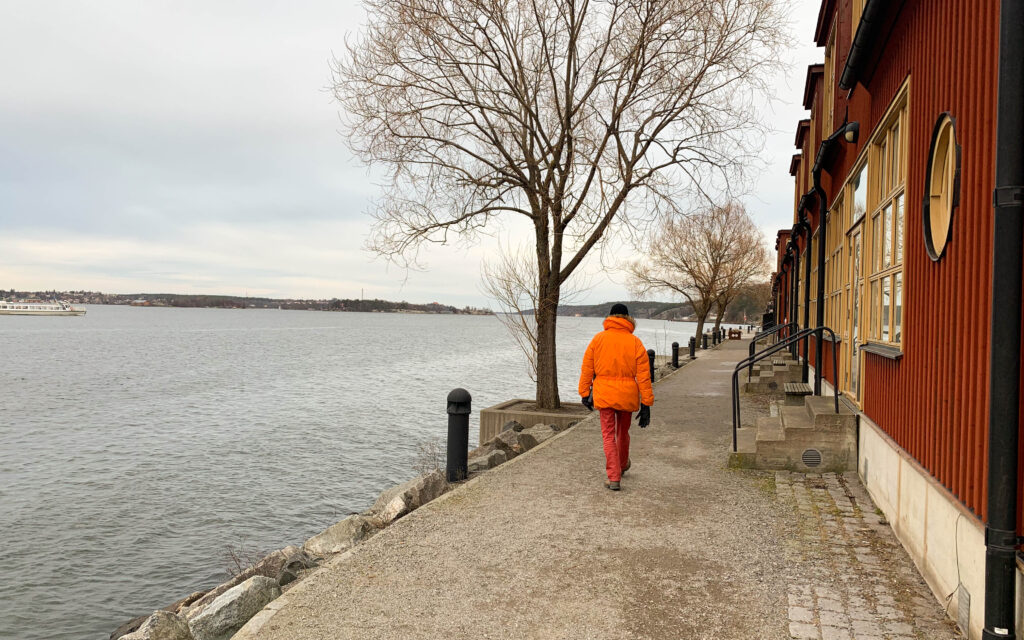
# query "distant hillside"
(637, 308)
(749, 304)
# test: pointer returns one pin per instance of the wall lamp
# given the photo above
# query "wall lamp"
(851, 132)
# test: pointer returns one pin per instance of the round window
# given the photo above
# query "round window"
(941, 186)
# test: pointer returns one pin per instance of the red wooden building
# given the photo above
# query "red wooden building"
(912, 150)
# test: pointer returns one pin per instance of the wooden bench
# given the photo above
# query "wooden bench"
(796, 392)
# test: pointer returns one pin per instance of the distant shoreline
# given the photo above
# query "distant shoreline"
(245, 302)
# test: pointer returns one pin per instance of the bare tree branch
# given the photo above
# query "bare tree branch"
(581, 115)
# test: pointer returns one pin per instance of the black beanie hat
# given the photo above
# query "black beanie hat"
(619, 309)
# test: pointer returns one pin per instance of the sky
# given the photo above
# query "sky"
(193, 147)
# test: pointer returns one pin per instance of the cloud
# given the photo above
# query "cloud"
(190, 146)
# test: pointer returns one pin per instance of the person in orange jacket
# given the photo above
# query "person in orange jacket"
(616, 379)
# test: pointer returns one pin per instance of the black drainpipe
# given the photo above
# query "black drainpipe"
(794, 275)
(1004, 365)
(801, 211)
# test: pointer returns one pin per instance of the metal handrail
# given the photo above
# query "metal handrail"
(772, 350)
(764, 334)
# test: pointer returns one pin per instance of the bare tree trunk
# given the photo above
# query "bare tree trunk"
(718, 318)
(701, 319)
(547, 370)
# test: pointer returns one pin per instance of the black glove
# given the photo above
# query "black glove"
(588, 402)
(644, 417)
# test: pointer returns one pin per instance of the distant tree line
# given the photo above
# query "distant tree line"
(242, 302)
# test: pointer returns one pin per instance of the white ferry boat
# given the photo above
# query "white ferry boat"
(38, 308)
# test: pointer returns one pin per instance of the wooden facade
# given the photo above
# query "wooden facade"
(914, 331)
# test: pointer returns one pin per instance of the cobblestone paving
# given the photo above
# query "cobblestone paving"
(856, 582)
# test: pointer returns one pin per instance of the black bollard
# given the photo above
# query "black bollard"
(693, 347)
(650, 360)
(704, 341)
(459, 402)
(675, 355)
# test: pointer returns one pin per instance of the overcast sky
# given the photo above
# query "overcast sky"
(191, 147)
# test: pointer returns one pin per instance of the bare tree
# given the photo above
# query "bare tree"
(510, 279)
(579, 115)
(706, 257)
(746, 260)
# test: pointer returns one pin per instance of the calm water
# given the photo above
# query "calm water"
(136, 444)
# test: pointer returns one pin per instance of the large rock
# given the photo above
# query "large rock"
(128, 627)
(513, 425)
(136, 623)
(341, 536)
(426, 488)
(398, 501)
(494, 444)
(269, 566)
(540, 432)
(479, 463)
(162, 625)
(233, 608)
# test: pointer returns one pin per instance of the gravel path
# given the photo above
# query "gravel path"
(538, 548)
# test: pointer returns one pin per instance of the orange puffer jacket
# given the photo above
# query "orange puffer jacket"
(616, 366)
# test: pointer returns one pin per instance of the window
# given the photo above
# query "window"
(813, 284)
(887, 194)
(942, 187)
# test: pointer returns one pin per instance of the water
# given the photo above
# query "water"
(137, 444)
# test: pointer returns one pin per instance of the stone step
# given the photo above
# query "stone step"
(795, 419)
(822, 411)
(745, 456)
(770, 429)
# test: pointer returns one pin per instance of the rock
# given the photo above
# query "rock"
(340, 537)
(233, 608)
(487, 461)
(269, 566)
(128, 627)
(400, 500)
(426, 488)
(518, 442)
(540, 432)
(494, 444)
(184, 603)
(135, 623)
(512, 425)
(387, 496)
(162, 625)
(293, 568)
(393, 510)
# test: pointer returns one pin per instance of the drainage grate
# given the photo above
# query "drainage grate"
(811, 458)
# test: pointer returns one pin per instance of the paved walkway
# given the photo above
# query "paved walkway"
(538, 548)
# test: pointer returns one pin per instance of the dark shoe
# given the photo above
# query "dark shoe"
(629, 463)
(614, 486)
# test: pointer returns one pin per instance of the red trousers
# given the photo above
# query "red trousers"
(615, 433)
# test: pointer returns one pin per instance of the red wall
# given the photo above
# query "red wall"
(933, 402)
